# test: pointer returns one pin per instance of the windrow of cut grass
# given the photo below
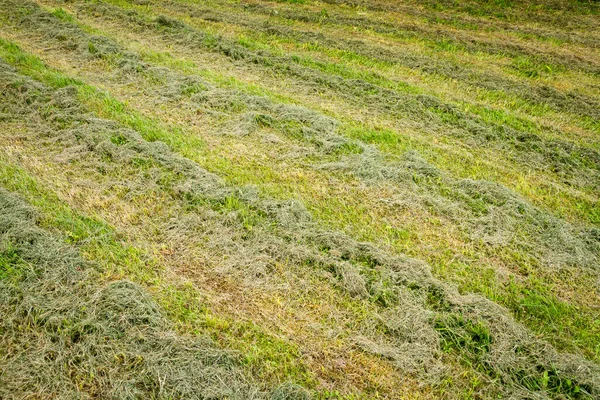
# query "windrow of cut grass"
(428, 111)
(389, 281)
(540, 186)
(381, 66)
(260, 253)
(66, 335)
(480, 132)
(421, 317)
(366, 51)
(229, 19)
(530, 166)
(134, 194)
(444, 32)
(493, 222)
(434, 34)
(569, 16)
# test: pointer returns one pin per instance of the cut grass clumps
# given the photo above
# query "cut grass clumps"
(64, 334)
(578, 164)
(409, 340)
(251, 112)
(408, 298)
(573, 101)
(496, 348)
(485, 211)
(248, 112)
(422, 318)
(243, 113)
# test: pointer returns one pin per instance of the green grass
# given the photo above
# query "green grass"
(271, 359)
(491, 117)
(552, 303)
(111, 108)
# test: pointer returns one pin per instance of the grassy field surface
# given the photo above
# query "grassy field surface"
(336, 199)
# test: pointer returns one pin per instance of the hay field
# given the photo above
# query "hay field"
(299, 199)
